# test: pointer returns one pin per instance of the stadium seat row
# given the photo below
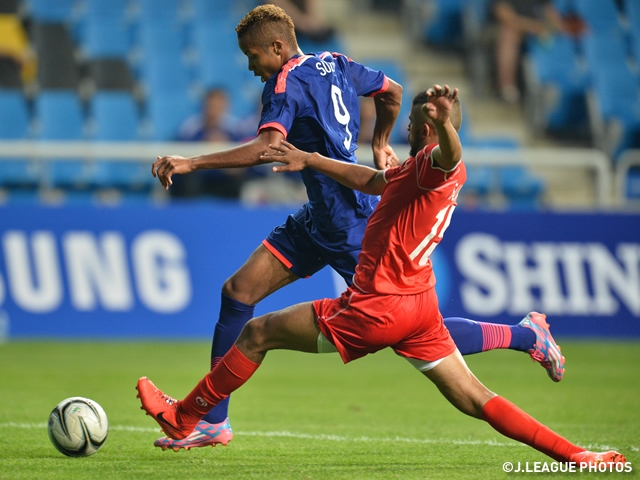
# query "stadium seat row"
(591, 82)
(584, 87)
(59, 115)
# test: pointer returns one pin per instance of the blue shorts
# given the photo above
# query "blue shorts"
(305, 250)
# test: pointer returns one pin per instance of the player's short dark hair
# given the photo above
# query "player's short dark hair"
(456, 111)
(267, 23)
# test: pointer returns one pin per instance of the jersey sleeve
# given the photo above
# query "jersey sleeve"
(368, 82)
(429, 174)
(389, 173)
(280, 109)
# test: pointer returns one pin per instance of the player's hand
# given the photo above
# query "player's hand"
(441, 99)
(165, 167)
(385, 157)
(294, 160)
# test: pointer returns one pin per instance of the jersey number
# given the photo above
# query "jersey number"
(428, 242)
(341, 113)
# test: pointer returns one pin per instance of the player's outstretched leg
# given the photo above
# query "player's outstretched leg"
(531, 335)
(458, 384)
(512, 422)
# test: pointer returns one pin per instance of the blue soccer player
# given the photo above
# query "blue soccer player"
(311, 100)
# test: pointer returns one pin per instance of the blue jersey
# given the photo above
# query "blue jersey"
(313, 102)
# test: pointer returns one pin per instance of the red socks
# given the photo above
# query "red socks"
(512, 422)
(233, 371)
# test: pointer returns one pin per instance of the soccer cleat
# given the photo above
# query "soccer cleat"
(163, 409)
(595, 458)
(205, 435)
(545, 351)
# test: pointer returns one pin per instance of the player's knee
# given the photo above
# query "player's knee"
(235, 287)
(254, 335)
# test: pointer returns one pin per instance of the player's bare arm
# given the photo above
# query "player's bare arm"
(438, 110)
(354, 176)
(246, 155)
(387, 110)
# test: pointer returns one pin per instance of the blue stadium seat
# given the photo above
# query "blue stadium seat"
(600, 15)
(115, 116)
(334, 44)
(480, 181)
(59, 114)
(632, 184)
(106, 39)
(444, 27)
(167, 112)
(14, 115)
(60, 117)
(557, 85)
(129, 177)
(615, 91)
(104, 12)
(164, 74)
(160, 10)
(162, 37)
(564, 6)
(604, 48)
(101, 10)
(632, 9)
(208, 10)
(51, 11)
(522, 189)
(19, 175)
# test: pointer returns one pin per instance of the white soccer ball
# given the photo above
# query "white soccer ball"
(78, 427)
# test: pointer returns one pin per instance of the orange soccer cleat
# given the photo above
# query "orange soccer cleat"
(164, 410)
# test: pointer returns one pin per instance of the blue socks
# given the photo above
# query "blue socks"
(233, 317)
(475, 337)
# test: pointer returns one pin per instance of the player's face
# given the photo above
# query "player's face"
(416, 129)
(263, 63)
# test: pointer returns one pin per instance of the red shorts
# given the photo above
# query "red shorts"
(360, 323)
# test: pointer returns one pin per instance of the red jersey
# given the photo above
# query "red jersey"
(414, 211)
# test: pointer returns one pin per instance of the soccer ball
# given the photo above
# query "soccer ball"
(78, 427)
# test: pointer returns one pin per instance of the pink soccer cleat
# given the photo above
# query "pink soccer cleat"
(545, 351)
(205, 435)
(164, 410)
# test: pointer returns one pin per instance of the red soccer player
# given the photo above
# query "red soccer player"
(392, 301)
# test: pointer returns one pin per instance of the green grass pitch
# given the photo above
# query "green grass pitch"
(308, 416)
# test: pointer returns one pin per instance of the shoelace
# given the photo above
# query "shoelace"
(166, 398)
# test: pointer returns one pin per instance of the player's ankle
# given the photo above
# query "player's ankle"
(186, 418)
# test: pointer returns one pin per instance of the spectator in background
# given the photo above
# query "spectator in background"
(516, 20)
(212, 124)
(307, 19)
(17, 61)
